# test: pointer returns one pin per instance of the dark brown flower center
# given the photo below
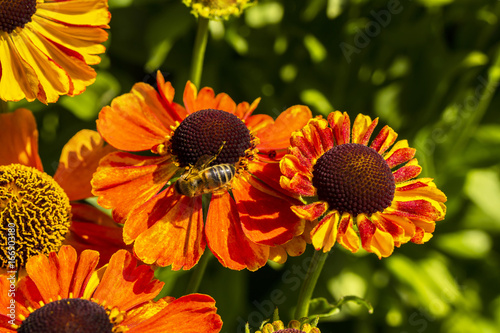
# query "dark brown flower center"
(74, 315)
(15, 13)
(205, 132)
(35, 214)
(354, 178)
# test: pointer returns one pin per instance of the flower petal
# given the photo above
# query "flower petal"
(277, 136)
(193, 313)
(324, 234)
(269, 173)
(18, 79)
(408, 171)
(341, 127)
(399, 154)
(385, 138)
(53, 275)
(169, 229)
(126, 285)
(78, 162)
(175, 111)
(373, 239)
(131, 124)
(76, 12)
(346, 236)
(123, 180)
(93, 229)
(265, 214)
(362, 129)
(311, 211)
(226, 238)
(19, 136)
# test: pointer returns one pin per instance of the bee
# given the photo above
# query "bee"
(202, 178)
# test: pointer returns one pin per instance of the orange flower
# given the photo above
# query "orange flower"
(39, 210)
(248, 213)
(65, 293)
(46, 47)
(360, 191)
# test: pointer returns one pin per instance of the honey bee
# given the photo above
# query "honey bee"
(202, 178)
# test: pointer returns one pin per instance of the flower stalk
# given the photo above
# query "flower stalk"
(309, 283)
(198, 272)
(200, 45)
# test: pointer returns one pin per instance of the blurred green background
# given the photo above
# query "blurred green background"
(430, 69)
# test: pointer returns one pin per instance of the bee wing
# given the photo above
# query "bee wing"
(203, 162)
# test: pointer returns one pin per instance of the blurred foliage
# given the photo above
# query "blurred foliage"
(429, 68)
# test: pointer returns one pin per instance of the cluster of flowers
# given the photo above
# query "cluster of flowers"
(273, 186)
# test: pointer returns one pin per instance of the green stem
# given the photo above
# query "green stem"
(478, 113)
(309, 283)
(200, 44)
(198, 272)
(4, 107)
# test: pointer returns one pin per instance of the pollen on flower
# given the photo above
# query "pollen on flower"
(34, 212)
(15, 13)
(354, 178)
(68, 315)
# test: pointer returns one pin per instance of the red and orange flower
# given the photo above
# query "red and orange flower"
(46, 47)
(41, 211)
(65, 293)
(359, 191)
(247, 217)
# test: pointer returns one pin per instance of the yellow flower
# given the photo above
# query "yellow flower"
(46, 47)
(218, 9)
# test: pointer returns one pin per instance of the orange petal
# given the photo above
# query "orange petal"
(341, 127)
(373, 239)
(53, 275)
(131, 124)
(385, 138)
(277, 136)
(265, 215)
(87, 263)
(174, 234)
(226, 238)
(269, 173)
(78, 162)
(125, 285)
(19, 137)
(93, 229)
(401, 229)
(290, 165)
(311, 211)
(123, 180)
(158, 110)
(193, 313)
(421, 208)
(362, 129)
(346, 235)
(245, 110)
(175, 111)
(324, 233)
(408, 171)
